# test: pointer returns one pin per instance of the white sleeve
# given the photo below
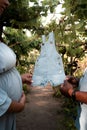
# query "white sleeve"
(5, 102)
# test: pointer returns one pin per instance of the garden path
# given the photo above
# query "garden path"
(42, 111)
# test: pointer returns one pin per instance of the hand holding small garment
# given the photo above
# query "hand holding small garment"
(48, 66)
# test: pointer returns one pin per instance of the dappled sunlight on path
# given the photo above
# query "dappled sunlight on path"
(42, 111)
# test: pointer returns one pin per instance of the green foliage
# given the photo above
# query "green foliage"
(69, 110)
(78, 8)
(20, 14)
(17, 40)
(22, 46)
(70, 34)
(68, 43)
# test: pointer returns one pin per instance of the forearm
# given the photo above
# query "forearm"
(16, 107)
(81, 96)
(68, 90)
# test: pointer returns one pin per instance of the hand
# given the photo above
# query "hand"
(26, 78)
(23, 99)
(66, 89)
(17, 106)
(73, 80)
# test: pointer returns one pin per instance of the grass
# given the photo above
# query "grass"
(69, 111)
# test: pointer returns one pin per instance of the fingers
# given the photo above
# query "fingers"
(65, 83)
(29, 75)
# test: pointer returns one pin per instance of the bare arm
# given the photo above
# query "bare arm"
(81, 96)
(67, 90)
(17, 106)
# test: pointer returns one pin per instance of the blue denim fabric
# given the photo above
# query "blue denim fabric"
(81, 121)
(8, 121)
(49, 65)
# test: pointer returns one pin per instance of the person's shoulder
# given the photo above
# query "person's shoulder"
(85, 72)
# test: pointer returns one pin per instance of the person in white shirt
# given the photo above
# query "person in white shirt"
(12, 97)
(77, 90)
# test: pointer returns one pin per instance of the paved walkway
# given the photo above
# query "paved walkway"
(42, 111)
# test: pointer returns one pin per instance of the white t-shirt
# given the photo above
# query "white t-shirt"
(10, 79)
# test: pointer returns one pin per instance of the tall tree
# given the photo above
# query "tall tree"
(20, 14)
(71, 33)
(75, 17)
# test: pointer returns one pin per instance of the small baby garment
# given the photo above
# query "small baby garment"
(48, 66)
